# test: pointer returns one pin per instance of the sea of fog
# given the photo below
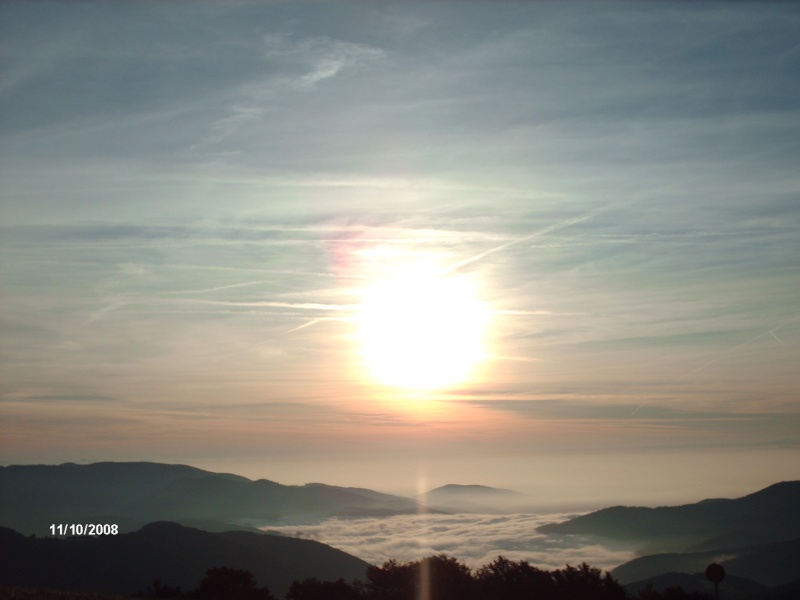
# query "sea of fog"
(473, 539)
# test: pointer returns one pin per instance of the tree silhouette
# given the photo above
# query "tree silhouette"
(314, 589)
(445, 577)
(671, 593)
(586, 583)
(158, 589)
(392, 581)
(504, 579)
(440, 576)
(223, 583)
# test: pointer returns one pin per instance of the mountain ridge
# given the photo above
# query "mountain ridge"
(751, 536)
(473, 488)
(768, 515)
(756, 537)
(474, 498)
(767, 564)
(32, 497)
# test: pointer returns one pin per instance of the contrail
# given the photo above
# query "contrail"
(555, 227)
(773, 334)
(303, 326)
(569, 222)
(743, 344)
(292, 330)
(217, 289)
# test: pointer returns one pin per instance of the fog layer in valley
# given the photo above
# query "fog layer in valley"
(472, 538)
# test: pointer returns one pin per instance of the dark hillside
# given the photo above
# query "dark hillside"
(179, 556)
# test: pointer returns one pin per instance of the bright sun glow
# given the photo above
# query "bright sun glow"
(422, 330)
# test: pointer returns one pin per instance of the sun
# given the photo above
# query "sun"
(422, 330)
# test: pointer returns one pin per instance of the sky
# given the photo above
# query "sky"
(545, 246)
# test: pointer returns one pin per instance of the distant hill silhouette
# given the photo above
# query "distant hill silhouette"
(177, 555)
(32, 497)
(768, 564)
(733, 588)
(473, 498)
(769, 515)
(756, 537)
(474, 490)
(20, 593)
(788, 591)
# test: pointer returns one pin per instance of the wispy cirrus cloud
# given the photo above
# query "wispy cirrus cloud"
(320, 57)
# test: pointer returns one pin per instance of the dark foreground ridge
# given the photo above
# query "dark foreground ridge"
(436, 578)
(126, 563)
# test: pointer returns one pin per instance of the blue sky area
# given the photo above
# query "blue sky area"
(198, 197)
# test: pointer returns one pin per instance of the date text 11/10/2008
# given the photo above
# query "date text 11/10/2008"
(84, 529)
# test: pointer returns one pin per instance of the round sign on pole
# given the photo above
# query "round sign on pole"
(715, 572)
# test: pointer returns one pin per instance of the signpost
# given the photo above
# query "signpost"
(715, 573)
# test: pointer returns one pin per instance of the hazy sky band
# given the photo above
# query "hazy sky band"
(194, 196)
